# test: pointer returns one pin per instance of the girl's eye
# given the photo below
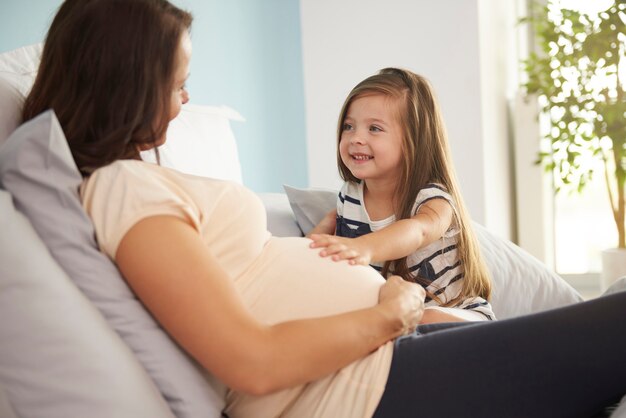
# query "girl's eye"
(346, 127)
(183, 87)
(375, 128)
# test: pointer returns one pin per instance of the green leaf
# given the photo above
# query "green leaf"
(577, 48)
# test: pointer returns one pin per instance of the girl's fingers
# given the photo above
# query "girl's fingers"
(320, 240)
(345, 254)
(332, 249)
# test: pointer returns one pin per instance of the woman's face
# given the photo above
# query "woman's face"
(180, 96)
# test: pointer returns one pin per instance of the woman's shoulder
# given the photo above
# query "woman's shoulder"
(124, 167)
(118, 176)
(114, 169)
(132, 171)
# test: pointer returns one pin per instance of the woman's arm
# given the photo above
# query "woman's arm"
(181, 283)
(399, 239)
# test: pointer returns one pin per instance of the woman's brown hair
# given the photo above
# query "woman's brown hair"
(107, 72)
(426, 159)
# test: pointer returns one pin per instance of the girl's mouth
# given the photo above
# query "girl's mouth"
(361, 157)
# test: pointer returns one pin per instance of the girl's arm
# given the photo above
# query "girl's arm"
(182, 284)
(327, 225)
(399, 239)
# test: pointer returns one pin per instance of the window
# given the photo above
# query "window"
(577, 83)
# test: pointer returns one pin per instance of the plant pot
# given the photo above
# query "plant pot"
(613, 266)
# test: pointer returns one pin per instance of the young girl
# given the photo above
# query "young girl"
(400, 208)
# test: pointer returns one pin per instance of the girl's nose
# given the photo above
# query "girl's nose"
(357, 138)
(185, 96)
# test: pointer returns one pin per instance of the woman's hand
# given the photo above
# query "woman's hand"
(340, 248)
(405, 300)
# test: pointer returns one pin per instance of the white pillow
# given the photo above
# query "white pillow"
(18, 69)
(21, 64)
(200, 141)
(618, 286)
(521, 283)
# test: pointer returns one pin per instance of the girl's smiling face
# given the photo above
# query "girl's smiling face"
(371, 138)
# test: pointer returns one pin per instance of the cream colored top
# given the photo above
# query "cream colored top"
(279, 279)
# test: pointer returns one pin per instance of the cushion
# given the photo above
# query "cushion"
(310, 205)
(620, 410)
(18, 69)
(280, 219)
(617, 286)
(21, 65)
(6, 410)
(56, 350)
(200, 141)
(37, 168)
(521, 283)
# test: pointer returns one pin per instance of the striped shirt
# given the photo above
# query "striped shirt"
(438, 262)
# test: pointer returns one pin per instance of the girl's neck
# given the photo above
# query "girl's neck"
(379, 200)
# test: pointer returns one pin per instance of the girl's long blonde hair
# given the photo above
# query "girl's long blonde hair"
(426, 159)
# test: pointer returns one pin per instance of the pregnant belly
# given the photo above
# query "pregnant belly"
(289, 280)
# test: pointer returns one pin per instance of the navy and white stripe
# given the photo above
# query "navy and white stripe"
(438, 262)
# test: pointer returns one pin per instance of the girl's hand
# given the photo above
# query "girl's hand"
(341, 248)
(405, 300)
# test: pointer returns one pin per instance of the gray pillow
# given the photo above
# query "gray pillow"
(36, 166)
(6, 410)
(58, 356)
(280, 219)
(310, 205)
(521, 283)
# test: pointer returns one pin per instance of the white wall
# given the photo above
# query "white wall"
(246, 55)
(499, 62)
(348, 40)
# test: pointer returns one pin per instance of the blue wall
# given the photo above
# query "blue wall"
(247, 55)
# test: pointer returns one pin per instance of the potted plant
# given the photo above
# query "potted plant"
(579, 76)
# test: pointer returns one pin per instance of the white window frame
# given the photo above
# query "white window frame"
(534, 191)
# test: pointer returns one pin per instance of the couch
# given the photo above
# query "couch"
(74, 340)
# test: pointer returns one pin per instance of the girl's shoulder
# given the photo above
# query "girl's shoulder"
(435, 186)
(352, 191)
(432, 191)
